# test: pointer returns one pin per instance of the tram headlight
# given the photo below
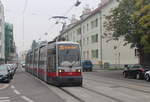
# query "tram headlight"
(61, 70)
(78, 70)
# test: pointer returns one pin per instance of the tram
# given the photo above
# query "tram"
(56, 63)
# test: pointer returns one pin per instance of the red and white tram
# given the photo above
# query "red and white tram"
(56, 63)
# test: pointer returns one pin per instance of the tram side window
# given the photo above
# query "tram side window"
(35, 58)
(51, 60)
(42, 60)
(30, 60)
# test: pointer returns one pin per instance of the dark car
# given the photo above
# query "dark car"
(87, 65)
(4, 73)
(135, 71)
(12, 70)
(23, 65)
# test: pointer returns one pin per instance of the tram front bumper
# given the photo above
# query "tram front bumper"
(69, 80)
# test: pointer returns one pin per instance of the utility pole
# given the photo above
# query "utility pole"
(23, 13)
(101, 40)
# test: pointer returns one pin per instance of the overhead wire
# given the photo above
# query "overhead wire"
(64, 14)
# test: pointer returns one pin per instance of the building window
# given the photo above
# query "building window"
(73, 38)
(83, 54)
(94, 23)
(94, 38)
(87, 54)
(79, 31)
(67, 38)
(83, 29)
(79, 42)
(87, 27)
(87, 40)
(95, 53)
(83, 41)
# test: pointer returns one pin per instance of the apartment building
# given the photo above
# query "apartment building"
(89, 32)
(2, 35)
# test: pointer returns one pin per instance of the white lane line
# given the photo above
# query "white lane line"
(16, 92)
(4, 100)
(27, 99)
(1, 98)
(12, 86)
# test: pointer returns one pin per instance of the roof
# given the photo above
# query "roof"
(97, 10)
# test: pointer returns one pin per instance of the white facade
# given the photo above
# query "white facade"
(2, 34)
(89, 33)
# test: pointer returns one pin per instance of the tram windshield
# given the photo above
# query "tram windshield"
(68, 55)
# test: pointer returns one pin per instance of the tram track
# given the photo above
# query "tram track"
(90, 90)
(115, 86)
(102, 94)
(71, 94)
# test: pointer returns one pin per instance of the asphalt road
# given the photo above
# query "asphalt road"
(117, 74)
(24, 88)
(98, 86)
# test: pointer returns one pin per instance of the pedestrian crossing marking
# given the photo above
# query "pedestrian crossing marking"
(4, 99)
(3, 86)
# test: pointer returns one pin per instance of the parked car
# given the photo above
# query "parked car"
(135, 71)
(4, 73)
(12, 70)
(87, 65)
(147, 76)
(23, 65)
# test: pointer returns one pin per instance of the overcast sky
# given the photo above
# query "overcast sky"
(36, 18)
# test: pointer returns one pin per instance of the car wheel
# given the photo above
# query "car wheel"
(8, 80)
(138, 76)
(125, 75)
(147, 77)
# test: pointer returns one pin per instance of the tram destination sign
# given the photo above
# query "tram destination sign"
(67, 47)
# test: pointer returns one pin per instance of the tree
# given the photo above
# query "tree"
(131, 20)
(142, 17)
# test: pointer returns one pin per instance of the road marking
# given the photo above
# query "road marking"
(16, 92)
(3, 86)
(4, 99)
(27, 99)
(12, 86)
(1, 98)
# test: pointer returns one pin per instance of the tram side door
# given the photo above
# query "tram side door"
(51, 67)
